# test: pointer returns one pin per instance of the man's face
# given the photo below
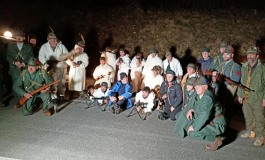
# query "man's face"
(169, 58)
(200, 89)
(122, 53)
(124, 80)
(155, 73)
(252, 58)
(222, 49)
(205, 55)
(189, 87)
(153, 55)
(145, 94)
(52, 42)
(103, 88)
(227, 56)
(102, 62)
(214, 76)
(190, 70)
(33, 41)
(20, 39)
(169, 77)
(32, 69)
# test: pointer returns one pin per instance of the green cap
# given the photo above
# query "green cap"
(154, 51)
(51, 35)
(20, 33)
(192, 65)
(33, 62)
(200, 81)
(191, 81)
(223, 45)
(229, 50)
(253, 49)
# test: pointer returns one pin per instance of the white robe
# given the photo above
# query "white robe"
(98, 94)
(124, 66)
(149, 64)
(174, 66)
(135, 68)
(77, 75)
(104, 71)
(152, 81)
(110, 59)
(149, 100)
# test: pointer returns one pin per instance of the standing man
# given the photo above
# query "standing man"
(137, 65)
(206, 60)
(171, 63)
(171, 93)
(103, 73)
(49, 56)
(202, 118)
(30, 80)
(253, 77)
(78, 63)
(123, 63)
(18, 55)
(152, 60)
(110, 57)
(32, 39)
(219, 59)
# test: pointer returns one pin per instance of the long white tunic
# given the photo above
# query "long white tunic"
(149, 64)
(103, 71)
(135, 67)
(110, 59)
(174, 66)
(77, 75)
(149, 100)
(152, 81)
(124, 66)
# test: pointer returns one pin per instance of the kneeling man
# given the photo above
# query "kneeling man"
(145, 96)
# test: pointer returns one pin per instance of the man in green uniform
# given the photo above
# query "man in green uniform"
(32, 79)
(219, 59)
(202, 118)
(253, 77)
(18, 54)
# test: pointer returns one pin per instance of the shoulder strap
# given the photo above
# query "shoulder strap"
(232, 69)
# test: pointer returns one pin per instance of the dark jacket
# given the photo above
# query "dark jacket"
(174, 93)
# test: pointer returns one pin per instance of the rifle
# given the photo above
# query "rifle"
(228, 80)
(141, 105)
(24, 99)
(101, 77)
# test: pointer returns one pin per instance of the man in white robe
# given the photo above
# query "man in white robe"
(110, 57)
(171, 63)
(137, 65)
(78, 64)
(155, 79)
(103, 73)
(123, 63)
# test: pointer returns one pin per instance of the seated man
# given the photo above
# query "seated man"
(120, 94)
(102, 92)
(154, 79)
(202, 118)
(145, 96)
(171, 93)
(32, 79)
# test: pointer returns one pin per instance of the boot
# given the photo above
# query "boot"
(47, 112)
(248, 134)
(214, 145)
(259, 141)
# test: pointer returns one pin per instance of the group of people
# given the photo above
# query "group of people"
(202, 101)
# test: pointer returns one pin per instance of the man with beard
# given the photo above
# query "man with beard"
(123, 63)
(253, 77)
(171, 93)
(145, 96)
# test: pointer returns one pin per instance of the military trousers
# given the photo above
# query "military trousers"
(42, 98)
(254, 115)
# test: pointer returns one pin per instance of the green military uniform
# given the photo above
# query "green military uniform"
(208, 121)
(14, 54)
(217, 61)
(27, 83)
(254, 113)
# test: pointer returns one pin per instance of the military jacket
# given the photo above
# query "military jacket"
(217, 61)
(231, 70)
(13, 54)
(27, 82)
(257, 82)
